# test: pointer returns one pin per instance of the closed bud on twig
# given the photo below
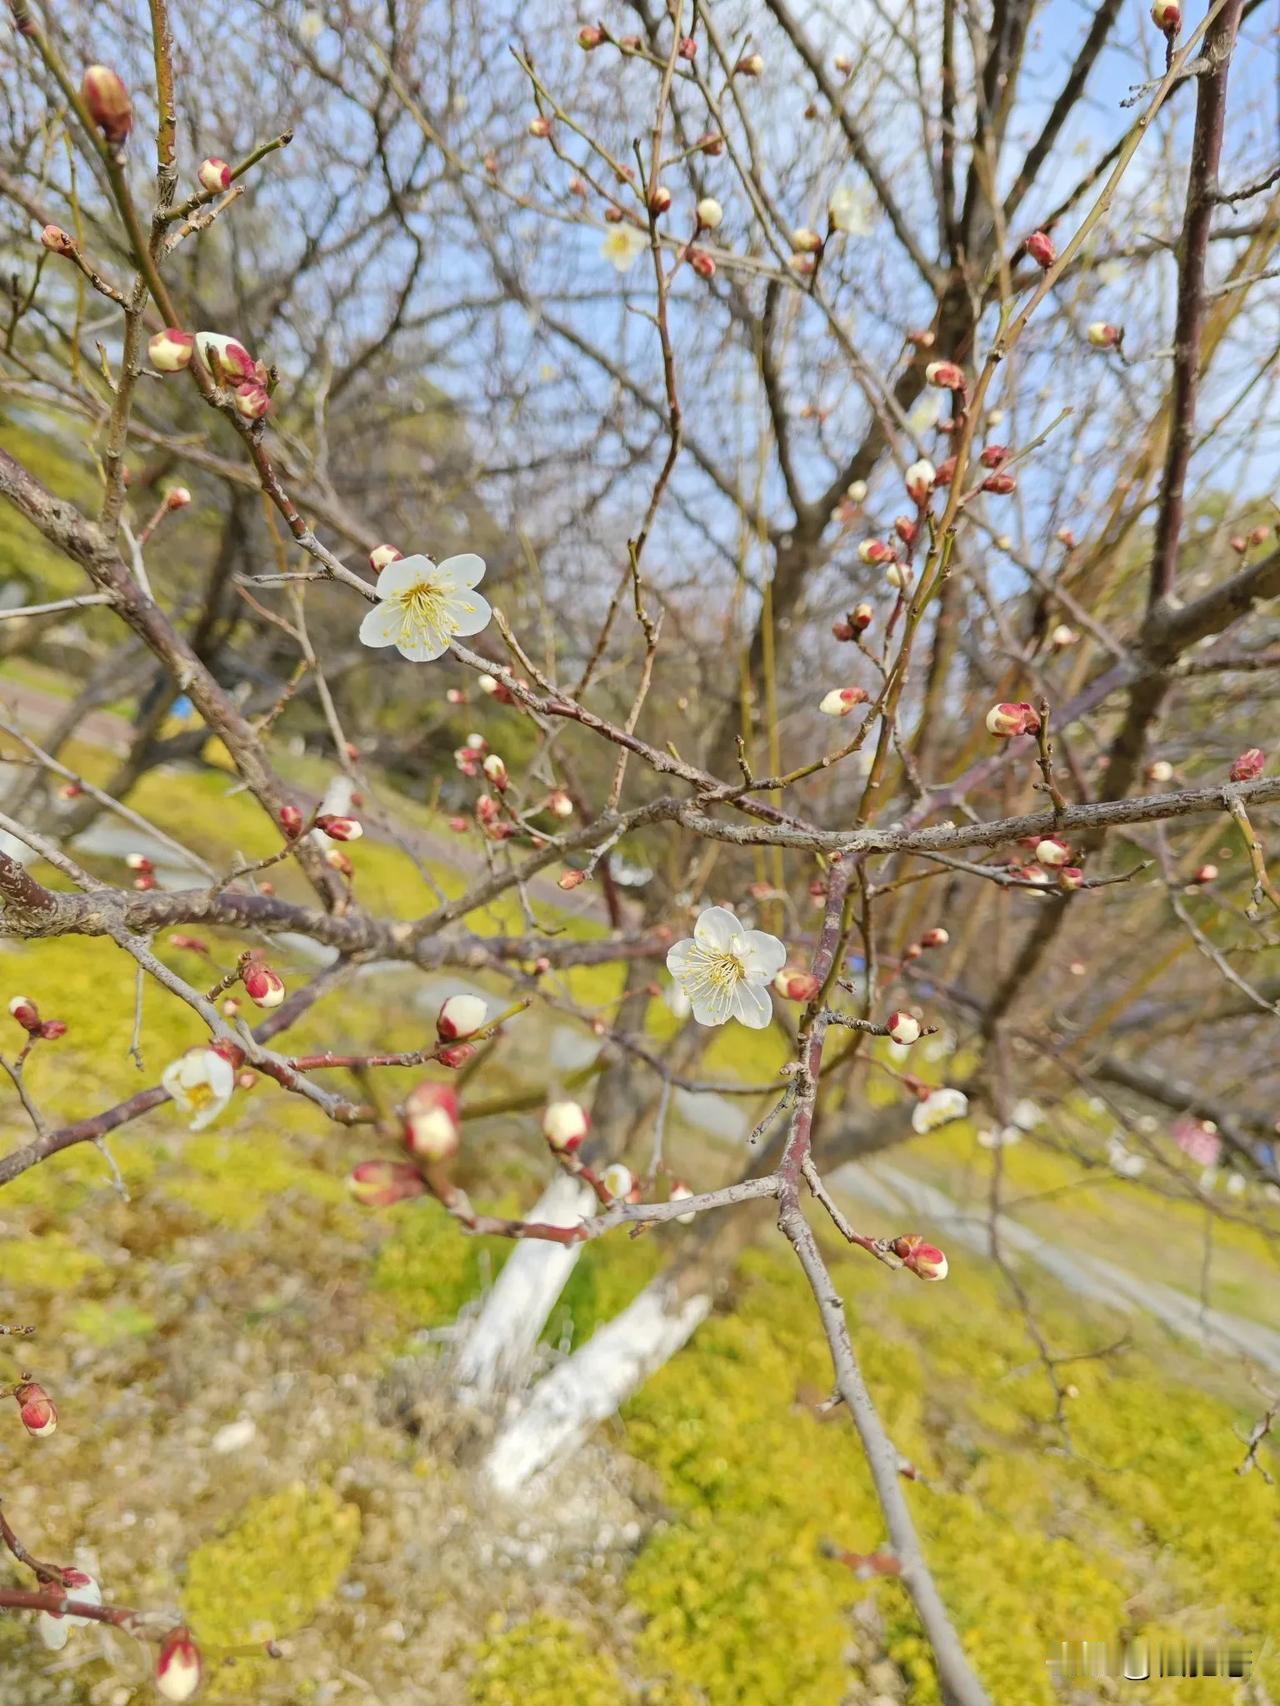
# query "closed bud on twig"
(340, 828)
(946, 375)
(24, 1010)
(540, 127)
(702, 263)
(381, 555)
(51, 1029)
(796, 984)
(460, 1016)
(688, 48)
(571, 880)
(291, 821)
(1039, 245)
(559, 804)
(660, 200)
(178, 1666)
(264, 987)
(678, 1193)
(994, 455)
(898, 575)
(1071, 877)
(617, 1180)
(252, 402)
(378, 1184)
(801, 262)
(1062, 637)
(630, 44)
(496, 771)
(807, 241)
(875, 551)
(1206, 874)
(564, 1125)
(906, 530)
(1103, 335)
(711, 144)
(861, 617)
(60, 241)
(1000, 484)
(171, 350)
(926, 1261)
(919, 480)
(590, 36)
(108, 102)
(709, 212)
(1052, 850)
(431, 1127)
(1249, 765)
(912, 951)
(841, 700)
(456, 1055)
(226, 358)
(1166, 15)
(177, 497)
(750, 65)
(904, 1028)
(138, 862)
(36, 1410)
(935, 938)
(213, 174)
(1012, 718)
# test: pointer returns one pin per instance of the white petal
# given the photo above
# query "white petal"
(678, 956)
(712, 1008)
(53, 1631)
(381, 627)
(717, 929)
(465, 570)
(404, 574)
(763, 955)
(752, 1006)
(470, 613)
(420, 647)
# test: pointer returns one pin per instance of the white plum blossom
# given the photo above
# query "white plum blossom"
(53, 1626)
(725, 969)
(422, 606)
(939, 1107)
(677, 1001)
(200, 1082)
(851, 211)
(624, 245)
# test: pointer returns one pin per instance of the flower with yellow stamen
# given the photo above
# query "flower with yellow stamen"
(422, 606)
(725, 969)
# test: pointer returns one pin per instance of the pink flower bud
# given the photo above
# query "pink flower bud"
(1103, 335)
(188, 944)
(291, 821)
(24, 1010)
(1008, 719)
(145, 882)
(1206, 874)
(1000, 484)
(1071, 877)
(52, 1029)
(904, 1028)
(590, 36)
(660, 200)
(875, 551)
(178, 1666)
(456, 1055)
(688, 48)
(802, 263)
(702, 263)
(171, 350)
(108, 102)
(459, 825)
(750, 65)
(496, 771)
(564, 1125)
(138, 862)
(1249, 765)
(919, 480)
(264, 987)
(905, 529)
(1039, 245)
(926, 1261)
(227, 360)
(431, 1128)
(841, 700)
(571, 880)
(994, 455)
(1053, 850)
(796, 985)
(37, 1411)
(460, 1016)
(935, 938)
(807, 241)
(381, 555)
(252, 402)
(177, 497)
(559, 804)
(379, 1184)
(711, 144)
(213, 174)
(1166, 15)
(340, 828)
(946, 375)
(60, 241)
(540, 127)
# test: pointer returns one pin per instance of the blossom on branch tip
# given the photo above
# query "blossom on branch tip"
(178, 1666)
(617, 1180)
(923, 1260)
(422, 606)
(1166, 15)
(623, 246)
(1039, 245)
(431, 1128)
(1206, 874)
(36, 1410)
(564, 1125)
(919, 480)
(1160, 770)
(939, 1108)
(904, 1028)
(264, 987)
(590, 36)
(660, 200)
(709, 212)
(724, 969)
(213, 174)
(1053, 850)
(252, 401)
(841, 700)
(875, 551)
(226, 358)
(339, 828)
(171, 350)
(53, 1626)
(379, 1184)
(200, 1083)
(935, 938)
(24, 1010)
(460, 1016)
(1012, 718)
(496, 771)
(750, 65)
(1103, 335)
(382, 555)
(559, 804)
(107, 99)
(177, 497)
(1248, 767)
(946, 375)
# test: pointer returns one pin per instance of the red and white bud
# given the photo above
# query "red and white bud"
(923, 1260)
(919, 480)
(660, 200)
(24, 1010)
(431, 1128)
(177, 497)
(801, 262)
(861, 617)
(935, 938)
(571, 880)
(460, 1016)
(709, 212)
(226, 358)
(1071, 877)
(590, 36)
(381, 555)
(455, 1055)
(564, 1125)
(138, 862)
(806, 240)
(379, 1184)
(213, 174)
(252, 401)
(1062, 637)
(617, 1180)
(994, 455)
(841, 700)
(1008, 719)
(1248, 767)
(904, 1028)
(36, 1410)
(1160, 770)
(61, 242)
(898, 575)
(559, 804)
(339, 828)
(540, 127)
(750, 65)
(171, 350)
(1206, 874)
(1166, 15)
(796, 984)
(875, 551)
(1000, 484)
(680, 1192)
(702, 263)
(108, 102)
(1039, 245)
(1103, 335)
(264, 987)
(946, 375)
(291, 821)
(1053, 850)
(178, 1666)
(496, 771)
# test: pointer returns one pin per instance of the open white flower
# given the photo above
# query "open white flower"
(725, 969)
(939, 1107)
(200, 1082)
(851, 211)
(623, 245)
(53, 1626)
(422, 605)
